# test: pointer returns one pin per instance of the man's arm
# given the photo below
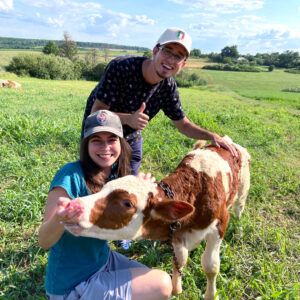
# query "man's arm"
(99, 105)
(138, 120)
(191, 130)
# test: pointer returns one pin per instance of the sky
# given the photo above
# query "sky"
(255, 26)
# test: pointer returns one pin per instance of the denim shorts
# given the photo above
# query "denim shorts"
(112, 282)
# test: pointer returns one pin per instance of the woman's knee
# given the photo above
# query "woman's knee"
(151, 284)
(164, 284)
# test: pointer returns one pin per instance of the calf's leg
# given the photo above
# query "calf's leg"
(243, 190)
(210, 261)
(181, 253)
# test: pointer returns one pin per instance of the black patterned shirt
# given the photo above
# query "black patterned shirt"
(123, 88)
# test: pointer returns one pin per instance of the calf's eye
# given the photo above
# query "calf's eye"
(127, 203)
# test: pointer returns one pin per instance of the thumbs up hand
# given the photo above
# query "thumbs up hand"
(138, 120)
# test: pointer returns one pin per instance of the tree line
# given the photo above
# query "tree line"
(230, 55)
(19, 43)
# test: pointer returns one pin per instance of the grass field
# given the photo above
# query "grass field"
(267, 86)
(40, 128)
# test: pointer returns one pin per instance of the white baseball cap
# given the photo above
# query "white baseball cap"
(176, 35)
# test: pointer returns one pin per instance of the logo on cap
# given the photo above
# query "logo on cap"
(180, 35)
(101, 118)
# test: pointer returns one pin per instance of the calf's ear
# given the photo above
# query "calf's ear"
(172, 210)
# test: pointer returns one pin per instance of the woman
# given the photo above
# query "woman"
(86, 268)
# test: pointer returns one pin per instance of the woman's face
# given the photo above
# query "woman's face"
(104, 149)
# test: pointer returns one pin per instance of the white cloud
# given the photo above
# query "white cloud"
(221, 6)
(143, 19)
(114, 24)
(250, 32)
(85, 18)
(6, 5)
(64, 4)
(56, 22)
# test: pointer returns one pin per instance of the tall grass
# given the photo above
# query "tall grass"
(40, 128)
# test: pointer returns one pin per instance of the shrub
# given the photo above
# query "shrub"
(45, 67)
(185, 79)
(293, 71)
(271, 68)
(227, 60)
(232, 67)
(22, 65)
(292, 89)
(94, 72)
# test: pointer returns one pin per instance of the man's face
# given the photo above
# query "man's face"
(169, 59)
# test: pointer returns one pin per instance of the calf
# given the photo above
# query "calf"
(9, 84)
(188, 206)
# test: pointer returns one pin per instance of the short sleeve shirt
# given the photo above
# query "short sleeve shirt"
(73, 259)
(124, 89)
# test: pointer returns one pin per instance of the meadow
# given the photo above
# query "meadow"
(39, 132)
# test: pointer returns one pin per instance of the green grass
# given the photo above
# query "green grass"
(267, 86)
(40, 128)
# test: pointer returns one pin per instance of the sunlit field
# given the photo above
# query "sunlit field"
(39, 132)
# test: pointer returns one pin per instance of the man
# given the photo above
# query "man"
(136, 88)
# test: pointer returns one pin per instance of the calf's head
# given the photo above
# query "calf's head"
(122, 207)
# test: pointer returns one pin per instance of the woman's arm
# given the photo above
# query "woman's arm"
(55, 214)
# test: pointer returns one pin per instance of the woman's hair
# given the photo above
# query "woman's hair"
(93, 174)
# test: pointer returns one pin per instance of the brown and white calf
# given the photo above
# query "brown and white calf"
(9, 84)
(197, 194)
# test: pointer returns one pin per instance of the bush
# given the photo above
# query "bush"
(232, 67)
(94, 72)
(271, 68)
(45, 67)
(22, 65)
(293, 71)
(292, 90)
(51, 48)
(185, 79)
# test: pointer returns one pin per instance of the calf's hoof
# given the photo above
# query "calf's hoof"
(176, 291)
(211, 297)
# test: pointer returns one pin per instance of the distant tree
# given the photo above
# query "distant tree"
(51, 48)
(215, 57)
(270, 58)
(69, 47)
(195, 53)
(106, 54)
(91, 57)
(288, 59)
(230, 51)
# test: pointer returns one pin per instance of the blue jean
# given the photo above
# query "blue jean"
(137, 154)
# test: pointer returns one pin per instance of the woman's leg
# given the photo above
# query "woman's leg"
(146, 283)
(150, 284)
(124, 279)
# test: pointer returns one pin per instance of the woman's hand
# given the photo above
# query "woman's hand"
(68, 212)
(146, 177)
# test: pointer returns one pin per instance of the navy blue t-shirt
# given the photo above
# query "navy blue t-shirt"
(124, 89)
